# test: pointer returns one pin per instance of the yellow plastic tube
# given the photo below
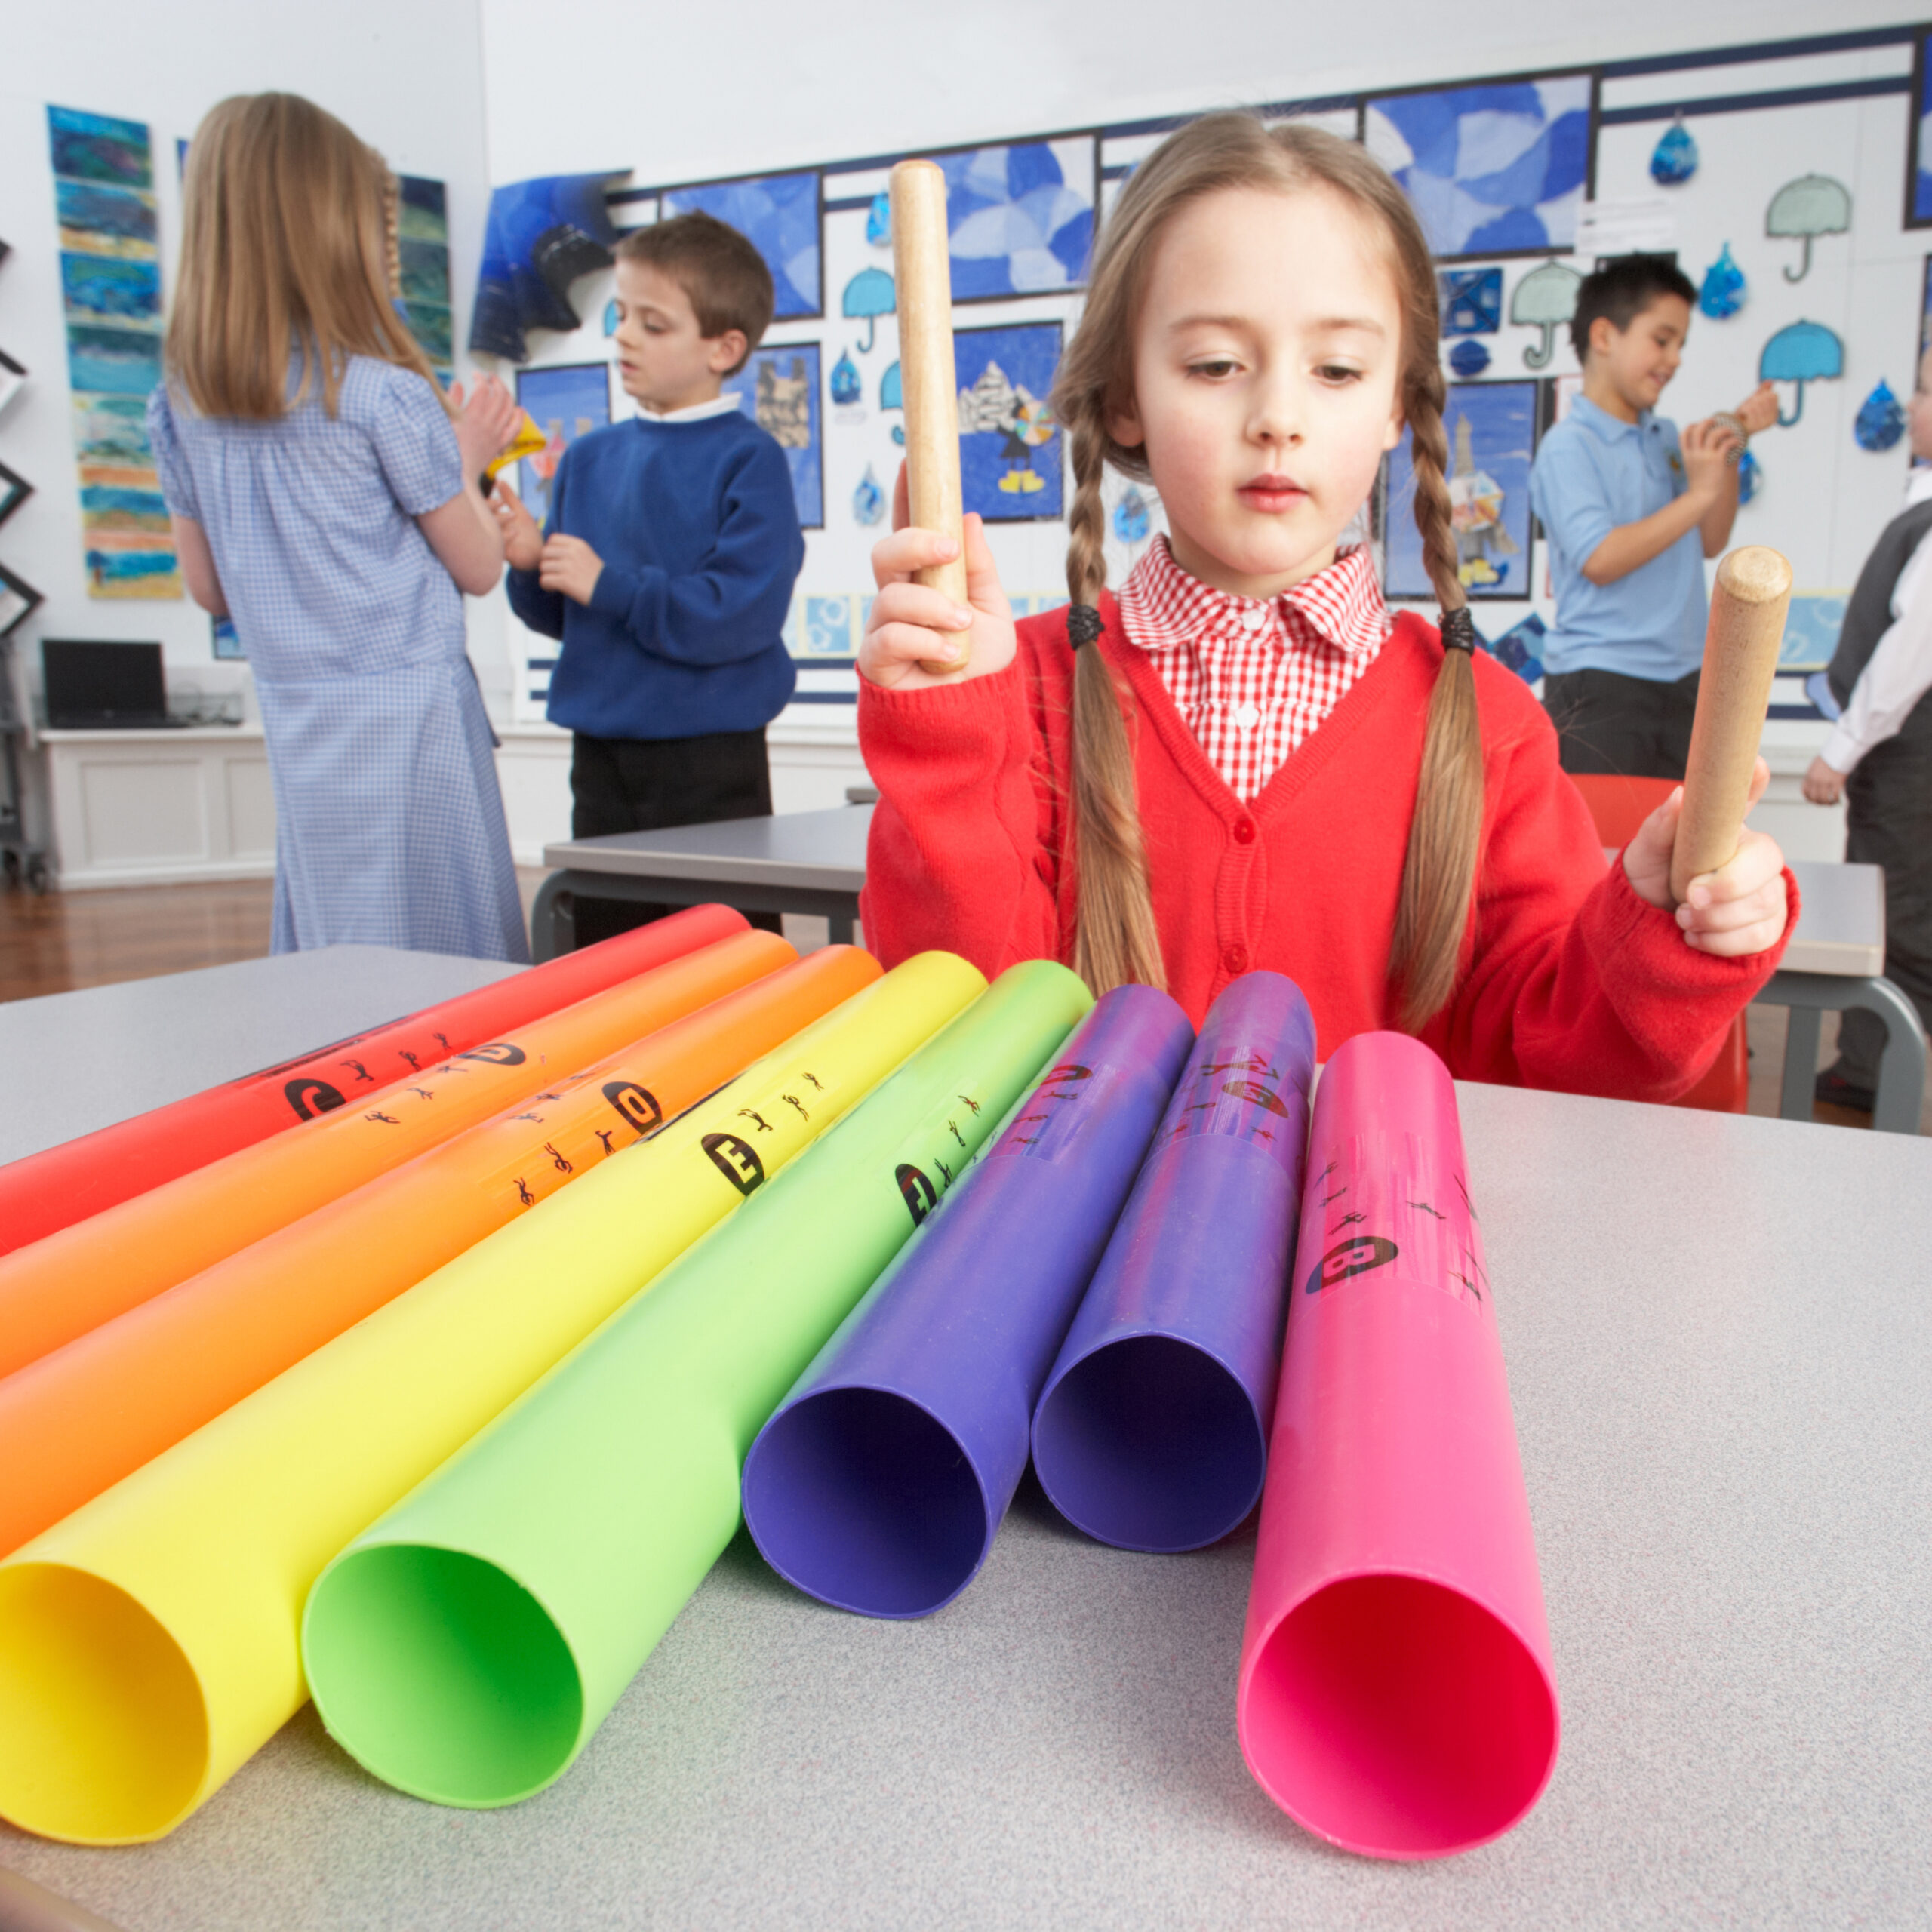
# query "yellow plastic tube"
(148, 1642)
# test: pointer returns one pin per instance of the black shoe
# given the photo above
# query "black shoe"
(1832, 1087)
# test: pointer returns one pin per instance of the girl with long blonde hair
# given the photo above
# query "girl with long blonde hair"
(1243, 760)
(324, 495)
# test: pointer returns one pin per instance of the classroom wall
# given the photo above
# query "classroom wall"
(408, 78)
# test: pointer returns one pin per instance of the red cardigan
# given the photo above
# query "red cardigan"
(1567, 979)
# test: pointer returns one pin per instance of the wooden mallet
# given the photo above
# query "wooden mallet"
(1747, 606)
(922, 265)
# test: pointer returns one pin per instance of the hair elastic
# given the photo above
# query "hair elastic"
(1083, 625)
(1458, 630)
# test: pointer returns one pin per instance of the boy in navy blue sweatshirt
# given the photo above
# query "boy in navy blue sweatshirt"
(668, 564)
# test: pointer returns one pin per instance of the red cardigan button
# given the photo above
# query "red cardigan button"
(1244, 832)
(1235, 959)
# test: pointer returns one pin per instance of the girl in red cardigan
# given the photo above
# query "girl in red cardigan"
(1243, 761)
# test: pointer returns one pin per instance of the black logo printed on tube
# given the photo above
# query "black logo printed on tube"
(736, 1160)
(499, 1053)
(1350, 1257)
(920, 1196)
(638, 1105)
(311, 1096)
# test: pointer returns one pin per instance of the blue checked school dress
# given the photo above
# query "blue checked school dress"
(390, 827)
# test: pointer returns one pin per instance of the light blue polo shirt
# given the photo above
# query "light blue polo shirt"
(1592, 474)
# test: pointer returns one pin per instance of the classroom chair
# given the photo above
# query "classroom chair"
(1618, 805)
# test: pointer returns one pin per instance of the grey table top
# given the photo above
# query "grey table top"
(823, 850)
(1720, 1353)
(1841, 925)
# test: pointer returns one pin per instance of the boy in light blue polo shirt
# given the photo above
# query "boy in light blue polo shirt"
(1632, 510)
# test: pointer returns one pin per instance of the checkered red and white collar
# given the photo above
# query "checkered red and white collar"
(1163, 608)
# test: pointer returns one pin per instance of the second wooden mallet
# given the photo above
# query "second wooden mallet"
(922, 263)
(1747, 606)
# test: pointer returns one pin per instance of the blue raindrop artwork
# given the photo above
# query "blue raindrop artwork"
(779, 215)
(1880, 419)
(1673, 160)
(1131, 520)
(1801, 352)
(610, 316)
(1020, 219)
(1498, 168)
(878, 221)
(1469, 358)
(868, 500)
(1750, 477)
(845, 385)
(869, 295)
(1724, 289)
(1472, 301)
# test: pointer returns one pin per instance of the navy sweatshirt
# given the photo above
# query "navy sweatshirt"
(699, 533)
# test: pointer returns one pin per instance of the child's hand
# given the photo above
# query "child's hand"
(1736, 910)
(1758, 410)
(1709, 449)
(486, 424)
(907, 619)
(569, 564)
(1822, 786)
(523, 541)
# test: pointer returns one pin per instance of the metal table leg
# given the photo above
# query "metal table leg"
(1901, 1084)
(552, 919)
(1801, 1062)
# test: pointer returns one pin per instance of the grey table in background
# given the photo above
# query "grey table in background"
(1720, 1354)
(798, 862)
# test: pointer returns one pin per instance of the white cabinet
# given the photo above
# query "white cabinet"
(159, 808)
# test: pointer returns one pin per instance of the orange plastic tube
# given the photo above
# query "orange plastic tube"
(78, 1420)
(45, 1192)
(100, 1267)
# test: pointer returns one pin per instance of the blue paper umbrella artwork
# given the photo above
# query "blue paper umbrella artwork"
(565, 402)
(1472, 301)
(1469, 357)
(1131, 520)
(878, 221)
(1813, 205)
(1520, 648)
(1491, 429)
(1545, 299)
(779, 215)
(610, 316)
(111, 293)
(1009, 443)
(1020, 218)
(1723, 290)
(1750, 477)
(778, 386)
(892, 395)
(1801, 352)
(539, 237)
(1674, 159)
(1499, 168)
(1880, 419)
(867, 500)
(845, 385)
(869, 295)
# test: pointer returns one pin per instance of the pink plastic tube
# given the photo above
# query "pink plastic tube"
(1396, 1695)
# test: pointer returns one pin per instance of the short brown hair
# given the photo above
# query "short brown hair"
(725, 277)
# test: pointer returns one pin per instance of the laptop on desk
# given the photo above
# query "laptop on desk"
(92, 686)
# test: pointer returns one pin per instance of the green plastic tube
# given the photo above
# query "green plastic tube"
(466, 1646)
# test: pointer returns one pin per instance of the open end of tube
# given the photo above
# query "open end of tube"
(861, 1498)
(1396, 1717)
(1150, 1444)
(104, 1736)
(441, 1674)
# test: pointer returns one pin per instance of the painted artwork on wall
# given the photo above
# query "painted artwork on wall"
(111, 295)
(780, 215)
(540, 236)
(565, 401)
(423, 250)
(1009, 466)
(1919, 147)
(779, 387)
(1491, 430)
(1499, 167)
(1020, 217)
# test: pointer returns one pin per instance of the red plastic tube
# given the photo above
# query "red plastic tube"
(53, 1189)
(1396, 1693)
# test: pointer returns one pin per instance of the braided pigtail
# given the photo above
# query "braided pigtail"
(1439, 875)
(1115, 939)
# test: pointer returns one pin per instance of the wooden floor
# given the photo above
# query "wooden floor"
(55, 943)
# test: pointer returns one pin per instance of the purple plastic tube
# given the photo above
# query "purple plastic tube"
(879, 1483)
(1153, 1431)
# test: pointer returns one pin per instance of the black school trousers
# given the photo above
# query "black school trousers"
(1633, 726)
(645, 784)
(1888, 823)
